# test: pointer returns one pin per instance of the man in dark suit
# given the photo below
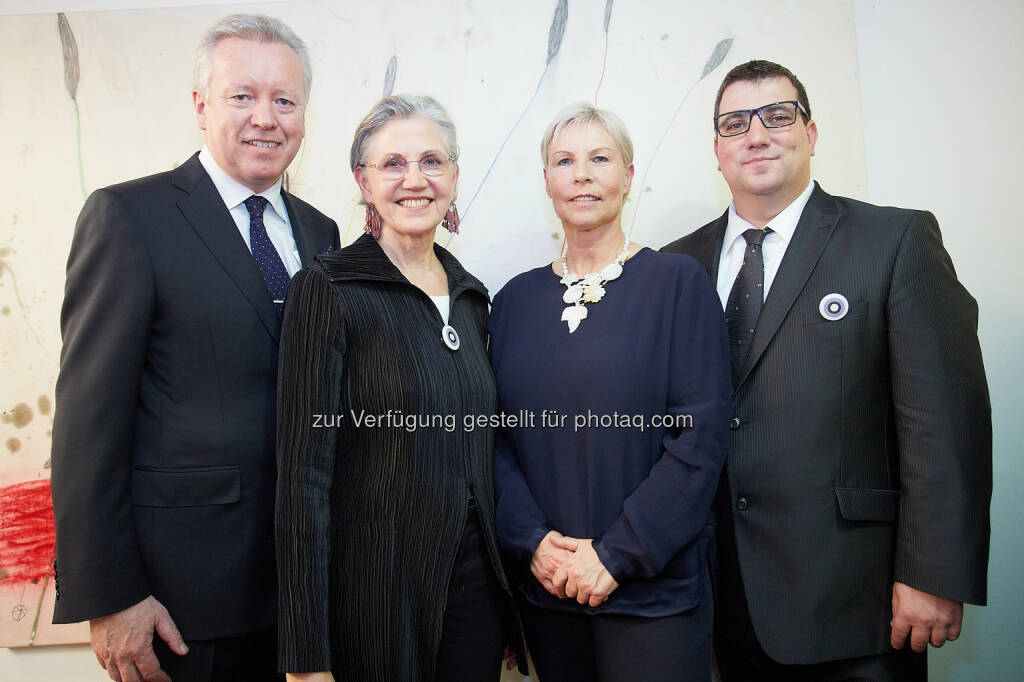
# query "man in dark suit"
(164, 433)
(854, 505)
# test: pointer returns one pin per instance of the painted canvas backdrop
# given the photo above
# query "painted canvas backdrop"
(92, 98)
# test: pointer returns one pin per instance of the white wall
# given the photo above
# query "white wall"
(941, 90)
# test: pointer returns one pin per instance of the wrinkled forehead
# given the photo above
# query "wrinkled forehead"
(235, 58)
(408, 136)
(754, 94)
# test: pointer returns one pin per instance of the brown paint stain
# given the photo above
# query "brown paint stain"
(3, 573)
(20, 416)
(6, 310)
(13, 444)
(44, 404)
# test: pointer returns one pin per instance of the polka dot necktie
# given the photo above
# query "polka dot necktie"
(745, 299)
(267, 259)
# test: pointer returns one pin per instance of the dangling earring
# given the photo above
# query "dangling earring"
(451, 219)
(372, 226)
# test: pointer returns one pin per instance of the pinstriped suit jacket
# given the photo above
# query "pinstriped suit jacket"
(163, 439)
(860, 448)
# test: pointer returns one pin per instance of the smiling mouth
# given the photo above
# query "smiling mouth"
(584, 198)
(262, 144)
(413, 203)
(758, 159)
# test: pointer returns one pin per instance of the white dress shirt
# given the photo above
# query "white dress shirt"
(773, 249)
(275, 217)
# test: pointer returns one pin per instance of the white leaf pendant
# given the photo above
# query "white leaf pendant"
(573, 315)
(573, 294)
(611, 271)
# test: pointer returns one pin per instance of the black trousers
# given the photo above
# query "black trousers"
(473, 635)
(572, 647)
(248, 658)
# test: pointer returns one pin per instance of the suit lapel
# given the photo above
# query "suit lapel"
(209, 217)
(302, 232)
(819, 218)
(709, 248)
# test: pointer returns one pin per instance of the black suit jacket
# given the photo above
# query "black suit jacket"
(861, 448)
(163, 466)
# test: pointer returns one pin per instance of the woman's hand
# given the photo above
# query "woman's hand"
(587, 580)
(552, 552)
(310, 677)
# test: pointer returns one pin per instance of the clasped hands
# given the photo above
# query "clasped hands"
(569, 567)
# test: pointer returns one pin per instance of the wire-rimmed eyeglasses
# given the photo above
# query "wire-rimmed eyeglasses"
(397, 166)
(774, 115)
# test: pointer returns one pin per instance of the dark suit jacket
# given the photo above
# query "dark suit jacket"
(164, 432)
(861, 448)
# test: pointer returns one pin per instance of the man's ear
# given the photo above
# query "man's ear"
(812, 135)
(200, 106)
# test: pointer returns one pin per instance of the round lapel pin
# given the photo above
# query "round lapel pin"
(834, 307)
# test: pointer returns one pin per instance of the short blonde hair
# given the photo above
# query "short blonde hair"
(581, 112)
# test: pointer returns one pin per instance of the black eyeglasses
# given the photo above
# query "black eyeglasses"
(397, 166)
(775, 115)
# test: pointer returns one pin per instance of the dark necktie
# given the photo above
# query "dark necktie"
(744, 304)
(267, 259)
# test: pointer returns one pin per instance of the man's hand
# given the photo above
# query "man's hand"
(310, 677)
(123, 641)
(588, 580)
(925, 617)
(553, 551)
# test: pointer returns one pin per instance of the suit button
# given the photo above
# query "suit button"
(742, 503)
(734, 423)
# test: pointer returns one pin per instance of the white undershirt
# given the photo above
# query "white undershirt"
(442, 305)
(774, 247)
(234, 194)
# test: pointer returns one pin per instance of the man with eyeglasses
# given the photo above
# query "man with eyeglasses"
(853, 510)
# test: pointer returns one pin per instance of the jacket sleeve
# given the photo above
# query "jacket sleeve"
(943, 421)
(670, 507)
(109, 303)
(309, 383)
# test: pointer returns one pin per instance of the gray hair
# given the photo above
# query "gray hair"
(258, 27)
(581, 112)
(398, 107)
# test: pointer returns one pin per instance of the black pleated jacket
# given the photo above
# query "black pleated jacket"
(370, 515)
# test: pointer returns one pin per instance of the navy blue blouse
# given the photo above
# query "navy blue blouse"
(624, 427)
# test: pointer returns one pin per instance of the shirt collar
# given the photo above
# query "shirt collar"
(783, 224)
(234, 193)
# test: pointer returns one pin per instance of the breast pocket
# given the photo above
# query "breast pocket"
(186, 487)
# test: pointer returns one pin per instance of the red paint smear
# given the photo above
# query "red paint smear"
(26, 531)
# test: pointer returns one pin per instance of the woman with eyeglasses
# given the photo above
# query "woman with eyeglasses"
(387, 557)
(605, 503)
